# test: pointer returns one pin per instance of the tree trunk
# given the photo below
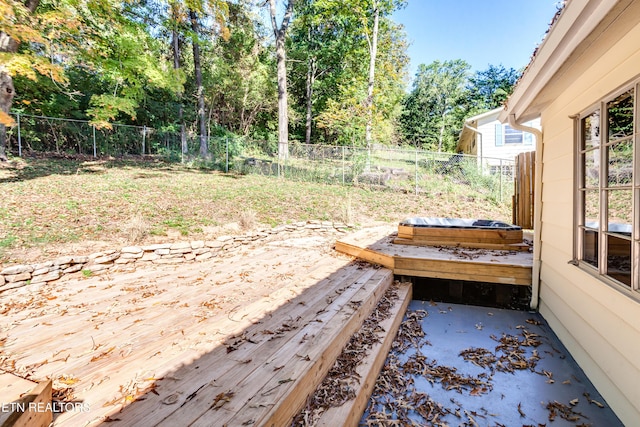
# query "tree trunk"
(373, 51)
(6, 99)
(311, 76)
(7, 91)
(175, 42)
(204, 152)
(281, 59)
(283, 108)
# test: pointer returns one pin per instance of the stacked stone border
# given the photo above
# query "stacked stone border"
(43, 273)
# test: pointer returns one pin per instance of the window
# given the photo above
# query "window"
(505, 134)
(512, 136)
(608, 184)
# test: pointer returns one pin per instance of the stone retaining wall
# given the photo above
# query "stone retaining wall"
(162, 253)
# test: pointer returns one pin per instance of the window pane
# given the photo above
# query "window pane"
(591, 161)
(619, 259)
(620, 114)
(620, 211)
(590, 247)
(591, 130)
(512, 136)
(592, 209)
(620, 163)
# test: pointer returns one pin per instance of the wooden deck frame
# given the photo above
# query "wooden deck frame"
(376, 245)
(36, 402)
(350, 413)
(217, 343)
(479, 238)
(266, 381)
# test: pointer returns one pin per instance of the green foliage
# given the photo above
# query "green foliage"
(131, 63)
(444, 94)
(490, 88)
(330, 52)
(430, 108)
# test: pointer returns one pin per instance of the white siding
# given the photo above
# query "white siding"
(507, 151)
(599, 324)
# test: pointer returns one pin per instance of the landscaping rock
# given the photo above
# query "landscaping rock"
(107, 258)
(132, 256)
(72, 269)
(150, 256)
(214, 244)
(131, 250)
(198, 244)
(12, 278)
(49, 277)
(39, 271)
(16, 269)
(96, 268)
(65, 260)
(156, 247)
(204, 256)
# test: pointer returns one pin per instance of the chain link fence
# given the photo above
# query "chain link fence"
(377, 167)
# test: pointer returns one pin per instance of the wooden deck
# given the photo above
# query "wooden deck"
(376, 245)
(232, 341)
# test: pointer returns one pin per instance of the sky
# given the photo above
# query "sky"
(481, 32)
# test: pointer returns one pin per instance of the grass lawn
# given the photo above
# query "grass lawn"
(60, 206)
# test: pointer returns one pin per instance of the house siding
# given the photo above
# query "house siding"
(598, 323)
(489, 151)
(506, 151)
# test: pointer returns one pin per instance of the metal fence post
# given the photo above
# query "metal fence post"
(144, 136)
(343, 165)
(19, 136)
(416, 171)
(500, 180)
(93, 127)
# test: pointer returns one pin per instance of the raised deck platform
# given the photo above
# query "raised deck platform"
(376, 245)
(238, 341)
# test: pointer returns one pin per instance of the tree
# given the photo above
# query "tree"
(438, 91)
(323, 42)
(241, 70)
(197, 70)
(280, 33)
(490, 88)
(46, 43)
(330, 70)
(377, 7)
(15, 20)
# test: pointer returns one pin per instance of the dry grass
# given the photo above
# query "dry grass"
(53, 206)
(137, 229)
(248, 219)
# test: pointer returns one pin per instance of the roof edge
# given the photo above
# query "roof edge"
(570, 27)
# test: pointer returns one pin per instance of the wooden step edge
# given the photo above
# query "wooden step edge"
(520, 246)
(255, 399)
(296, 396)
(365, 254)
(350, 413)
(34, 409)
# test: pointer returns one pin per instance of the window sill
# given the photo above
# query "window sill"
(612, 283)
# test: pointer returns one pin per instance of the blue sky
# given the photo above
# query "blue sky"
(481, 32)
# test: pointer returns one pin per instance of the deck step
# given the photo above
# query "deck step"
(322, 352)
(280, 358)
(350, 413)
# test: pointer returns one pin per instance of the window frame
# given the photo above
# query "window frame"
(603, 189)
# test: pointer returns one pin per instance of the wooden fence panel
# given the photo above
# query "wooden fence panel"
(524, 182)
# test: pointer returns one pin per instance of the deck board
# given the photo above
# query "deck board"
(485, 265)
